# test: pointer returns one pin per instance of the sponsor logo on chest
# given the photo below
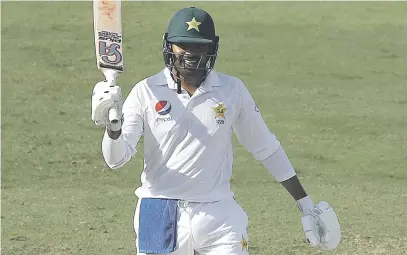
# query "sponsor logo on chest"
(163, 108)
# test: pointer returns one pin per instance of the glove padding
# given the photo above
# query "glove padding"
(106, 95)
(321, 227)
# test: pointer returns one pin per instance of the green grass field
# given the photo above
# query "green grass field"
(330, 80)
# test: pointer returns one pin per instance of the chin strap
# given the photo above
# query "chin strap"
(178, 84)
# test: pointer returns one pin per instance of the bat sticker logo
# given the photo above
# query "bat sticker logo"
(111, 54)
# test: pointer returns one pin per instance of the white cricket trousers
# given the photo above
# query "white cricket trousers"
(215, 228)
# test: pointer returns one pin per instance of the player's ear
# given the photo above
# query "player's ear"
(167, 50)
(165, 42)
(215, 45)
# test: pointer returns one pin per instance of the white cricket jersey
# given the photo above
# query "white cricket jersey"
(188, 140)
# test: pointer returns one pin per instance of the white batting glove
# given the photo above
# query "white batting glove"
(321, 226)
(106, 95)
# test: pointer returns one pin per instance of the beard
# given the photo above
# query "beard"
(191, 68)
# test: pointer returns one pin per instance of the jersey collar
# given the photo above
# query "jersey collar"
(165, 78)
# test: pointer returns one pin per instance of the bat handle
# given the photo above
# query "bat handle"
(111, 76)
(114, 116)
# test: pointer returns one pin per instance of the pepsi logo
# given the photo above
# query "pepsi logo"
(163, 107)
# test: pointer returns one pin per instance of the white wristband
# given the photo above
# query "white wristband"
(305, 204)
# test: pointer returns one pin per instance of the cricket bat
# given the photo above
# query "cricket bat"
(108, 42)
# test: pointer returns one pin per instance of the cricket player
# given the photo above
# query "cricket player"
(187, 114)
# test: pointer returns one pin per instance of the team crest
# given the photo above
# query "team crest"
(220, 113)
(193, 24)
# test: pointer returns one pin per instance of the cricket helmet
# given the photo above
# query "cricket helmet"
(191, 26)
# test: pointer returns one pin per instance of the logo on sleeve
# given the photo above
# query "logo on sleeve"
(244, 244)
(220, 113)
(163, 107)
(256, 108)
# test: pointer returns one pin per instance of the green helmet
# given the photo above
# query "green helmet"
(191, 26)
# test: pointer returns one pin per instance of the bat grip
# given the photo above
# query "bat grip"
(113, 116)
(111, 76)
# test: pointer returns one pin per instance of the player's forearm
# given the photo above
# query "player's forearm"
(294, 187)
(280, 167)
(114, 134)
(114, 149)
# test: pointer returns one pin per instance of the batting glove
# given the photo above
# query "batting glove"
(106, 95)
(321, 226)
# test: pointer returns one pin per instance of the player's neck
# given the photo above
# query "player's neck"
(184, 84)
(190, 89)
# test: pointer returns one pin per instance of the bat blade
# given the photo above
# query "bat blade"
(109, 42)
(108, 34)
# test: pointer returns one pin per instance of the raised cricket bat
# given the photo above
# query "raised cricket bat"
(108, 42)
